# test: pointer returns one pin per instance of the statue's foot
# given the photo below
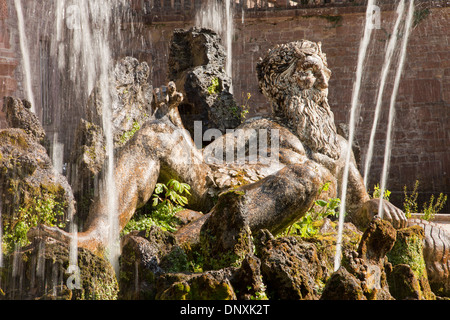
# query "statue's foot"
(51, 232)
(91, 240)
(389, 212)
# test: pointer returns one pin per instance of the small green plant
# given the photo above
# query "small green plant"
(377, 193)
(167, 200)
(410, 201)
(321, 209)
(171, 195)
(261, 294)
(430, 208)
(42, 210)
(214, 88)
(245, 106)
(420, 15)
(129, 134)
(242, 111)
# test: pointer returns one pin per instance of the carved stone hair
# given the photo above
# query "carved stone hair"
(280, 62)
(305, 107)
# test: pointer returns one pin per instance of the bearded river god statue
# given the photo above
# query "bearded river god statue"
(270, 193)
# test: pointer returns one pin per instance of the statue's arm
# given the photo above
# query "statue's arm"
(362, 208)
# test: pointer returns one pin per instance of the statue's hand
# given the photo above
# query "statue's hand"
(389, 212)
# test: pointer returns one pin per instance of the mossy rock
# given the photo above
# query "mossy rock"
(204, 286)
(325, 242)
(408, 250)
(214, 260)
(33, 192)
(343, 286)
(15, 137)
(145, 256)
(41, 271)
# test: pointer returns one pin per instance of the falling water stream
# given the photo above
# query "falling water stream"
(87, 54)
(384, 72)
(219, 17)
(25, 54)
(354, 106)
(229, 38)
(387, 153)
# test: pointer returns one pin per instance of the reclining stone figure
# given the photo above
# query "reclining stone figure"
(294, 77)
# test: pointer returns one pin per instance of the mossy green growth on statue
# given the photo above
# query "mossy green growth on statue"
(214, 88)
(46, 208)
(127, 135)
(408, 249)
(201, 287)
(232, 257)
(44, 272)
(14, 138)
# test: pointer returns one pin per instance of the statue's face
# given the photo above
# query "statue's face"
(311, 72)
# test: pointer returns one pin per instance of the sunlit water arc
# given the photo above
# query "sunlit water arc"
(388, 147)
(354, 107)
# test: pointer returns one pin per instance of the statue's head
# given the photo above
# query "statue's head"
(298, 65)
(294, 77)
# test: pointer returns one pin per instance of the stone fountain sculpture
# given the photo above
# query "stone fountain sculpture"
(269, 194)
(295, 79)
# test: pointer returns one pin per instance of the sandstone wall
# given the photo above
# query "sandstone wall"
(422, 128)
(8, 61)
(421, 137)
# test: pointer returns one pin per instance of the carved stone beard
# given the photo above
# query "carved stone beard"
(310, 116)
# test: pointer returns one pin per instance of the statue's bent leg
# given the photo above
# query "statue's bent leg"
(272, 203)
(155, 149)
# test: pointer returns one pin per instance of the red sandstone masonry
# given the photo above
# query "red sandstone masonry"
(421, 133)
(422, 129)
(8, 62)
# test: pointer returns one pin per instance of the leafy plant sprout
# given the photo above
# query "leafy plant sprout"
(214, 88)
(377, 193)
(320, 210)
(171, 194)
(167, 200)
(430, 208)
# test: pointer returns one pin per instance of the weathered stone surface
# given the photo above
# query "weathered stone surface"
(377, 241)
(187, 216)
(146, 256)
(197, 65)
(19, 115)
(41, 271)
(403, 283)
(262, 205)
(247, 280)
(86, 162)
(408, 250)
(343, 286)
(190, 233)
(362, 274)
(291, 268)
(212, 285)
(436, 253)
(88, 154)
(129, 97)
(27, 176)
(325, 243)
